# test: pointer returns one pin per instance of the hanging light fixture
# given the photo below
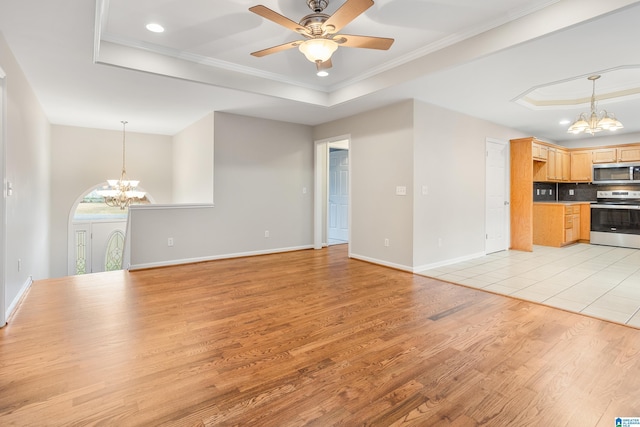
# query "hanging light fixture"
(121, 192)
(594, 121)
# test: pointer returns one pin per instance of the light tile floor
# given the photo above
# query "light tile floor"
(599, 281)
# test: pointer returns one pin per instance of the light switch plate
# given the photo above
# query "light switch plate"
(401, 190)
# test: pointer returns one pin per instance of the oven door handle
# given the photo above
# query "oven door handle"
(615, 207)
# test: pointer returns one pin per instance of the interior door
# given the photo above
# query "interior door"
(497, 204)
(338, 218)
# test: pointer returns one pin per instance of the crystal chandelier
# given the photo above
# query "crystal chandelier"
(594, 122)
(121, 192)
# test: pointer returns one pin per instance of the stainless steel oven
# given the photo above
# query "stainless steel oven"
(615, 219)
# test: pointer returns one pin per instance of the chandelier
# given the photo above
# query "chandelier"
(121, 192)
(594, 121)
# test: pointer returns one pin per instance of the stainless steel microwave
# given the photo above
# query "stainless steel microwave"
(616, 173)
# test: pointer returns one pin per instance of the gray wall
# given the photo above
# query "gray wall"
(380, 159)
(261, 168)
(415, 144)
(27, 168)
(450, 160)
(193, 163)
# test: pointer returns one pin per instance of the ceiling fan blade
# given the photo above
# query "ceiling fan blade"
(366, 42)
(324, 65)
(345, 14)
(269, 14)
(276, 49)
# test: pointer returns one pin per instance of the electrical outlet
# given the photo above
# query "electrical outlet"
(386, 242)
(571, 192)
(19, 264)
(439, 242)
(170, 241)
(266, 233)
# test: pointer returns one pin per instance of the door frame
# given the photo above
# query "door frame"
(71, 225)
(321, 191)
(507, 218)
(3, 202)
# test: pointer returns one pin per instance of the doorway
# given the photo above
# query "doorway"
(96, 234)
(496, 191)
(332, 192)
(338, 202)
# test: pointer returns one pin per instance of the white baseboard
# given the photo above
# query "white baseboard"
(448, 262)
(18, 299)
(216, 257)
(381, 262)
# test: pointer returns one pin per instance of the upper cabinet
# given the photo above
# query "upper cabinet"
(617, 154)
(605, 155)
(581, 166)
(555, 168)
(539, 152)
(629, 154)
(553, 163)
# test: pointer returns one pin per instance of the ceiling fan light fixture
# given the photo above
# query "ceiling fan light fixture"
(318, 50)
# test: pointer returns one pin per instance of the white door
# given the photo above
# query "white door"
(94, 245)
(101, 237)
(338, 229)
(497, 202)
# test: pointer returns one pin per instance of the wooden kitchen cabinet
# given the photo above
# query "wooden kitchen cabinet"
(604, 155)
(552, 168)
(585, 222)
(539, 152)
(557, 166)
(556, 224)
(565, 174)
(581, 166)
(629, 154)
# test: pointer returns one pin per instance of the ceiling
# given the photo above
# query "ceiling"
(519, 63)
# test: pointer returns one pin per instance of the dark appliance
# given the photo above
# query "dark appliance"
(615, 219)
(616, 173)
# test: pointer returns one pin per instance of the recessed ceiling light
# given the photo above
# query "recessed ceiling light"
(155, 28)
(322, 73)
(564, 122)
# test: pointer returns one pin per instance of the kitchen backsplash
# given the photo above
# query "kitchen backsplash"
(582, 192)
(544, 192)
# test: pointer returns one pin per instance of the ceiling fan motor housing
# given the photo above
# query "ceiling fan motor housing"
(317, 5)
(313, 23)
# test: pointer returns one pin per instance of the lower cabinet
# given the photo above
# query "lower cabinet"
(557, 224)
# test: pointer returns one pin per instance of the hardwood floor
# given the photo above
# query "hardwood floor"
(305, 338)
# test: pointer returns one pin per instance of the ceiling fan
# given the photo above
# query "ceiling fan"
(320, 31)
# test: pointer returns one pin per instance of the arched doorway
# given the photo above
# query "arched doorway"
(96, 234)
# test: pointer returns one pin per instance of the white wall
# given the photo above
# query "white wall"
(449, 159)
(380, 158)
(82, 158)
(261, 168)
(603, 138)
(193, 163)
(28, 169)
